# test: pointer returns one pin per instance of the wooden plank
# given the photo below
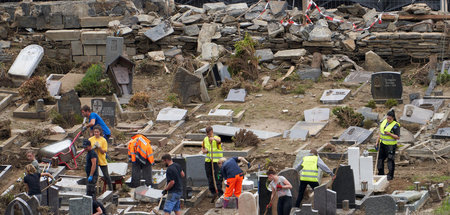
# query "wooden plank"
(416, 17)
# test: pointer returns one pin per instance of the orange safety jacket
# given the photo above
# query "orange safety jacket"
(139, 149)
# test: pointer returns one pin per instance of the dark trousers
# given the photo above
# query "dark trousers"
(106, 176)
(140, 171)
(284, 205)
(91, 188)
(219, 179)
(386, 152)
(301, 190)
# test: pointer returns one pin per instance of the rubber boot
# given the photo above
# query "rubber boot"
(237, 203)
(225, 203)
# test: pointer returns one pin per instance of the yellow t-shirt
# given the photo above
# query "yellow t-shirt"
(104, 146)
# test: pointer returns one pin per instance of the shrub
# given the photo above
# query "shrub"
(245, 138)
(66, 121)
(173, 98)
(92, 83)
(443, 78)
(33, 89)
(369, 124)
(36, 136)
(348, 117)
(139, 100)
(244, 63)
(391, 103)
(371, 104)
(300, 89)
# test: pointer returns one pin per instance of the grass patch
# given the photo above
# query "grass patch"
(371, 104)
(432, 178)
(390, 103)
(300, 89)
(444, 209)
(94, 83)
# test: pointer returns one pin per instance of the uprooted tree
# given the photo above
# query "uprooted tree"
(243, 63)
(33, 89)
(348, 117)
(244, 138)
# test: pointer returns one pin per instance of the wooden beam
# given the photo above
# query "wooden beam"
(417, 17)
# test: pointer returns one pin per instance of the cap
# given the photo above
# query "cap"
(86, 143)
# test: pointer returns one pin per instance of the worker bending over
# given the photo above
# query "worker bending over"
(140, 154)
(233, 176)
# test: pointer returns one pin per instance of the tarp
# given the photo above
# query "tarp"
(379, 5)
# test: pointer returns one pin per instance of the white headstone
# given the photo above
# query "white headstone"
(353, 161)
(27, 61)
(366, 171)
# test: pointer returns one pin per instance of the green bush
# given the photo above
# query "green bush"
(173, 98)
(348, 117)
(300, 89)
(67, 121)
(443, 78)
(243, 62)
(371, 104)
(92, 83)
(390, 103)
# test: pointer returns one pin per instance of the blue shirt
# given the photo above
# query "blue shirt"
(230, 168)
(99, 121)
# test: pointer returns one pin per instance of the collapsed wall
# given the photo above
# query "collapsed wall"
(77, 30)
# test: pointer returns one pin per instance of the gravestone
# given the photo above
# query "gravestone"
(33, 202)
(358, 77)
(430, 104)
(386, 85)
(171, 115)
(379, 205)
(293, 177)
(355, 133)
(317, 114)
(309, 73)
(80, 206)
(296, 134)
(264, 194)
(114, 48)
(344, 186)
(368, 114)
(366, 171)
(186, 85)
(247, 204)
(195, 170)
(307, 210)
(23, 206)
(353, 160)
(320, 199)
(160, 31)
(413, 114)
(53, 199)
(334, 96)
(331, 202)
(120, 72)
(442, 133)
(107, 110)
(413, 96)
(69, 103)
(27, 61)
(236, 95)
(230, 131)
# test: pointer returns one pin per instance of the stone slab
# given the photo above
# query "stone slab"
(231, 131)
(195, 170)
(366, 171)
(80, 206)
(5, 100)
(296, 134)
(415, 199)
(355, 133)
(442, 133)
(116, 169)
(353, 160)
(413, 114)
(309, 74)
(264, 55)
(376, 205)
(247, 204)
(171, 114)
(160, 31)
(63, 35)
(292, 176)
(147, 194)
(313, 128)
(27, 61)
(344, 186)
(294, 54)
(114, 48)
(317, 114)
(358, 77)
(430, 104)
(94, 22)
(331, 202)
(368, 114)
(69, 81)
(236, 95)
(334, 96)
(94, 37)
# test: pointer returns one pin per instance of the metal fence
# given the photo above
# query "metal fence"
(379, 5)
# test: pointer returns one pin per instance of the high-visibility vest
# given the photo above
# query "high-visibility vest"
(140, 149)
(217, 151)
(310, 171)
(386, 139)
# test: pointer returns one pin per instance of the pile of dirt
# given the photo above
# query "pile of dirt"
(278, 160)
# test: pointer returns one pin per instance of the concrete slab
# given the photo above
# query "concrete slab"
(413, 114)
(160, 31)
(313, 127)
(236, 95)
(5, 100)
(147, 194)
(296, 134)
(27, 61)
(430, 104)
(171, 114)
(358, 77)
(442, 133)
(334, 96)
(358, 134)
(230, 131)
(116, 169)
(415, 199)
(317, 114)
(69, 81)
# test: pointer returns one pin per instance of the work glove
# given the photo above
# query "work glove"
(96, 145)
(279, 187)
(269, 205)
(90, 179)
(164, 192)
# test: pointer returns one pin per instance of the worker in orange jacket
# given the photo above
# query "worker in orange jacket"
(140, 153)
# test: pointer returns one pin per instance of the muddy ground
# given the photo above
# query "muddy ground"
(264, 112)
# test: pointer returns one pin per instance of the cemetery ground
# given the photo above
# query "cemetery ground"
(265, 110)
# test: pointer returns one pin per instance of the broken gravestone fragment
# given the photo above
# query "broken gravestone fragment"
(186, 85)
(27, 61)
(236, 95)
(160, 31)
(375, 63)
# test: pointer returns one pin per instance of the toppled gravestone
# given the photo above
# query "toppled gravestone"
(375, 63)
(69, 104)
(27, 61)
(413, 114)
(376, 205)
(205, 35)
(160, 31)
(186, 85)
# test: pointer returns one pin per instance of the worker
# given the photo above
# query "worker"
(98, 208)
(100, 147)
(34, 162)
(282, 187)
(91, 169)
(174, 186)
(233, 176)
(387, 143)
(212, 147)
(32, 180)
(309, 174)
(140, 154)
(95, 119)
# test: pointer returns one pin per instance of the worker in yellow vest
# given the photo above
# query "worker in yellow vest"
(212, 147)
(309, 174)
(387, 143)
(140, 154)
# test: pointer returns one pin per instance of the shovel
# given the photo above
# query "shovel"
(155, 210)
(53, 183)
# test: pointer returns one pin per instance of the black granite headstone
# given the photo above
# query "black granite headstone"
(386, 85)
(264, 195)
(69, 103)
(293, 177)
(107, 110)
(344, 185)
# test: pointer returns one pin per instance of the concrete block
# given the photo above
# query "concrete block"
(77, 48)
(101, 50)
(131, 51)
(87, 59)
(91, 22)
(63, 35)
(366, 171)
(353, 161)
(94, 37)
(90, 50)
